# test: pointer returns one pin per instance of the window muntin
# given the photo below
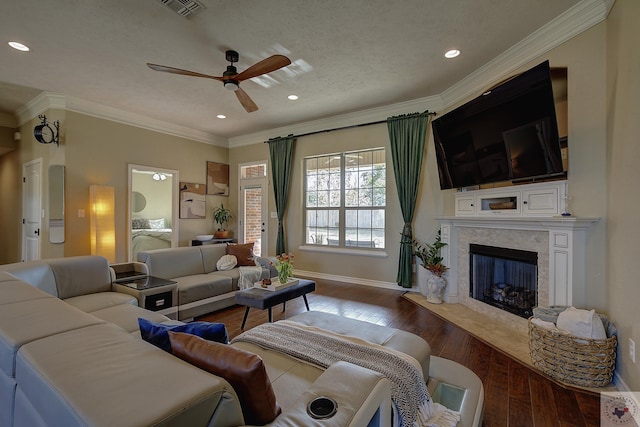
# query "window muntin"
(345, 199)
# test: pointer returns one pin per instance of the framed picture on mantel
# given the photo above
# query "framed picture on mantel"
(217, 179)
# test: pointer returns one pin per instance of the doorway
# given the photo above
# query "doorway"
(31, 209)
(153, 209)
(253, 206)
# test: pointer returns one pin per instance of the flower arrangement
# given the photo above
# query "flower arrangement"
(284, 267)
(430, 255)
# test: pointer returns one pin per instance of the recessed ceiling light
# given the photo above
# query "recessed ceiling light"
(19, 46)
(221, 116)
(452, 53)
(292, 97)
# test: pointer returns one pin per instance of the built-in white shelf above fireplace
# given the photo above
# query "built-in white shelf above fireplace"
(558, 240)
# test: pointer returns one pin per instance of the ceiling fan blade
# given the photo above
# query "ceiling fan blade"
(173, 70)
(246, 102)
(265, 66)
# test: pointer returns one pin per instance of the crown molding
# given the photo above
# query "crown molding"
(577, 19)
(52, 101)
(38, 105)
(574, 21)
(117, 115)
(430, 103)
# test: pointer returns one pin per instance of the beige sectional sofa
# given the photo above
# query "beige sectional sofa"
(71, 355)
(202, 288)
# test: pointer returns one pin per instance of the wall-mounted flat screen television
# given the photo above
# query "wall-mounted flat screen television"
(509, 133)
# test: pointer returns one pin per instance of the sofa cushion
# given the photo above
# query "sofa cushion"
(245, 372)
(126, 316)
(211, 254)
(27, 321)
(100, 300)
(102, 376)
(158, 334)
(243, 252)
(35, 273)
(201, 286)
(395, 339)
(173, 262)
(81, 275)
(12, 291)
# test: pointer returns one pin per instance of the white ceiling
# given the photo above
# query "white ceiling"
(347, 55)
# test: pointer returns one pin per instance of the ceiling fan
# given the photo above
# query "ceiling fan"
(231, 78)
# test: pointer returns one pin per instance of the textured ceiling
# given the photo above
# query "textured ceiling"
(348, 55)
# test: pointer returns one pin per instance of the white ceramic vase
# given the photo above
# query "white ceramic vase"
(435, 286)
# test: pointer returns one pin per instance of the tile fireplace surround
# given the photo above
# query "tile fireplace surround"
(558, 241)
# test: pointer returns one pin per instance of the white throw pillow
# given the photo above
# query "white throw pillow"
(582, 323)
(227, 262)
(156, 224)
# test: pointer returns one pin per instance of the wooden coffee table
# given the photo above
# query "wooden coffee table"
(260, 298)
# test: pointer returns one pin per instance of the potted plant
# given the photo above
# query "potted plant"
(222, 216)
(431, 259)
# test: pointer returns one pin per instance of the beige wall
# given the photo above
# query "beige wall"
(11, 190)
(623, 113)
(98, 151)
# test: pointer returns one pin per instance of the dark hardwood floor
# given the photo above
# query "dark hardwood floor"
(515, 395)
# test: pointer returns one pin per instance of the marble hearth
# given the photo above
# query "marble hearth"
(559, 243)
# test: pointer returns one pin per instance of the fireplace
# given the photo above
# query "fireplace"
(504, 278)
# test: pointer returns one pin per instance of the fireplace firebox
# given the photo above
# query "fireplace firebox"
(504, 278)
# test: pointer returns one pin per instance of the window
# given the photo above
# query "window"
(345, 199)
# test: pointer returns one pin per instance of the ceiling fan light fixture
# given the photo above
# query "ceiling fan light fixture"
(231, 85)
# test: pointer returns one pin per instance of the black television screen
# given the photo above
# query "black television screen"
(509, 133)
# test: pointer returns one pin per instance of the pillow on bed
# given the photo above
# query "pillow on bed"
(243, 252)
(139, 223)
(244, 370)
(156, 223)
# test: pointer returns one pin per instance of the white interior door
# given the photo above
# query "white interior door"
(31, 209)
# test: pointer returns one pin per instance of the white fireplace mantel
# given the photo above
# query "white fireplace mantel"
(566, 252)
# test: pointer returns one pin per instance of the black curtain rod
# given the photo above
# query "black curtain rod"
(340, 128)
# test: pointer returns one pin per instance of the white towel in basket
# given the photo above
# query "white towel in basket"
(582, 323)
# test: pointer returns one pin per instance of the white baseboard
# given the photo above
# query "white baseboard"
(355, 280)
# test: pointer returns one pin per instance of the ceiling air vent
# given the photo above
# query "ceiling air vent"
(183, 7)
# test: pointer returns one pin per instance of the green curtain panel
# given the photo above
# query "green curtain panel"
(407, 137)
(281, 152)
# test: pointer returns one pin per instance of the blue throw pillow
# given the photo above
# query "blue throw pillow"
(158, 334)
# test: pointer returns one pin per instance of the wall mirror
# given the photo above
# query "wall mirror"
(153, 209)
(56, 203)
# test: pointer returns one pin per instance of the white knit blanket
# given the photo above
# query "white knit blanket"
(248, 276)
(323, 348)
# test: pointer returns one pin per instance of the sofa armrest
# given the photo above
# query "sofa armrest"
(359, 392)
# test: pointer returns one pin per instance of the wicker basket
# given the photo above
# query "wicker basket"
(570, 359)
